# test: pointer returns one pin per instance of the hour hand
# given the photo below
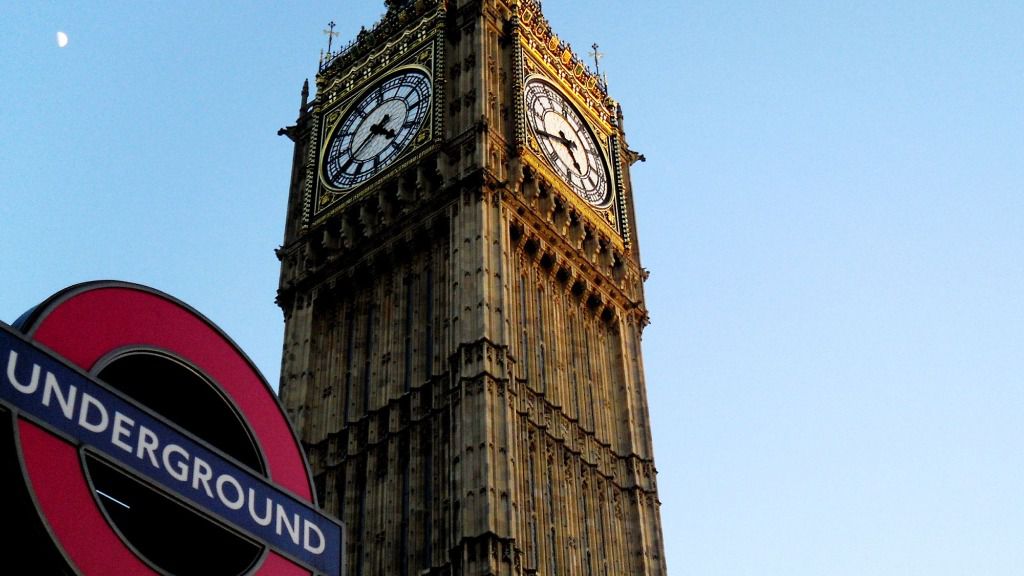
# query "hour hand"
(380, 127)
(569, 145)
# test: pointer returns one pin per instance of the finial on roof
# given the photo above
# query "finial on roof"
(330, 35)
(597, 63)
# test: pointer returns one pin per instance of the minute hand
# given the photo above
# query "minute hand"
(560, 137)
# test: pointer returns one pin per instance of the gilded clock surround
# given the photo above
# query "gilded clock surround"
(372, 130)
(559, 133)
(420, 49)
(543, 55)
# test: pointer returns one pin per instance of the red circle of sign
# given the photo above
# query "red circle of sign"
(84, 324)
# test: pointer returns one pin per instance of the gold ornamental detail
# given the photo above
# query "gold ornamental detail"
(562, 61)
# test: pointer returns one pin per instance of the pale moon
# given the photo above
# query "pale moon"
(62, 39)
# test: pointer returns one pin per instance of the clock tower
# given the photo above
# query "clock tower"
(463, 302)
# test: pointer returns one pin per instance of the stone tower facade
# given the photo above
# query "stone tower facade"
(463, 302)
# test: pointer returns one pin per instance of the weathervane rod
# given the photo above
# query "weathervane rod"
(597, 59)
(330, 35)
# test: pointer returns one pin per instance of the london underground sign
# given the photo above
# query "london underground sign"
(187, 449)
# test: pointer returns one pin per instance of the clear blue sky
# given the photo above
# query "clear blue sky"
(832, 211)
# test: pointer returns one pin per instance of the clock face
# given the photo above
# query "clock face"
(567, 142)
(376, 129)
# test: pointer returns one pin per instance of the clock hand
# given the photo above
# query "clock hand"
(375, 130)
(569, 145)
(560, 137)
(355, 153)
(378, 128)
(575, 164)
(359, 149)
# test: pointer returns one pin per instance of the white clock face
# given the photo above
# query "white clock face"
(376, 129)
(567, 142)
